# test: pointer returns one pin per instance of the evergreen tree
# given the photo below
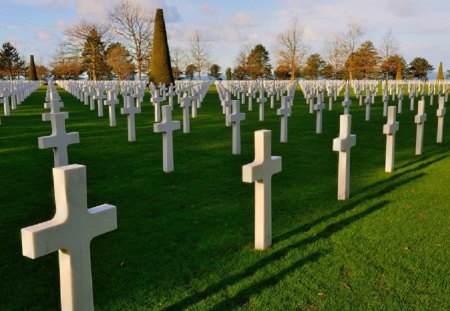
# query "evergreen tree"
(190, 70)
(399, 75)
(161, 69)
(363, 64)
(258, 62)
(94, 57)
(228, 75)
(314, 67)
(440, 75)
(419, 68)
(10, 61)
(32, 74)
(214, 71)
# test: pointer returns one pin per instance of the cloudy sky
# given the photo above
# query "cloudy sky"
(420, 28)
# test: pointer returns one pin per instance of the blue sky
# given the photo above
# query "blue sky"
(420, 28)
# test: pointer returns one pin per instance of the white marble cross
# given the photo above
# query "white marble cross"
(70, 233)
(400, 102)
(420, 119)
(343, 145)
(185, 103)
(91, 93)
(347, 102)
(261, 100)
(368, 103)
(130, 110)
(390, 128)
(59, 139)
(99, 96)
(54, 105)
(156, 100)
(167, 126)
(440, 113)
(250, 97)
(171, 93)
(319, 107)
(6, 106)
(235, 120)
(194, 104)
(260, 172)
(284, 112)
(111, 101)
(227, 103)
(412, 94)
(385, 104)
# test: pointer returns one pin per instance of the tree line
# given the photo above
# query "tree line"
(122, 49)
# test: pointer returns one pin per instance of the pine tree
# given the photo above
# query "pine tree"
(161, 69)
(10, 61)
(228, 74)
(258, 62)
(94, 57)
(214, 72)
(440, 75)
(32, 75)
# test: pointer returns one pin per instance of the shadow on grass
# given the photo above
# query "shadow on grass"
(242, 297)
(389, 188)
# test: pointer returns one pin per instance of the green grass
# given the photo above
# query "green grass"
(185, 239)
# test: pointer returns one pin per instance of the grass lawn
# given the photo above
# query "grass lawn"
(185, 239)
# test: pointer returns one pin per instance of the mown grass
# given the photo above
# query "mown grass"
(185, 239)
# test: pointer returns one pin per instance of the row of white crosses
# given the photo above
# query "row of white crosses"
(13, 93)
(74, 225)
(59, 138)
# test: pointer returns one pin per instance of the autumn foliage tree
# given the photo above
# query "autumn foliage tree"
(119, 60)
(391, 64)
(258, 64)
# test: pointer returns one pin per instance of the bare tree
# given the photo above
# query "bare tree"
(79, 33)
(388, 46)
(334, 53)
(199, 53)
(291, 50)
(178, 59)
(351, 39)
(134, 25)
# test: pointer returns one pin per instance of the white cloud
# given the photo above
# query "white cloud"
(97, 10)
(44, 35)
(242, 19)
(208, 9)
(45, 4)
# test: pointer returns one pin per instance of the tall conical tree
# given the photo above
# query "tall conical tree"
(398, 75)
(161, 69)
(440, 75)
(32, 75)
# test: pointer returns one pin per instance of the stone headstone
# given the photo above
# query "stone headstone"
(284, 112)
(167, 126)
(235, 120)
(343, 145)
(260, 172)
(70, 233)
(390, 128)
(420, 119)
(130, 110)
(59, 139)
(440, 113)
